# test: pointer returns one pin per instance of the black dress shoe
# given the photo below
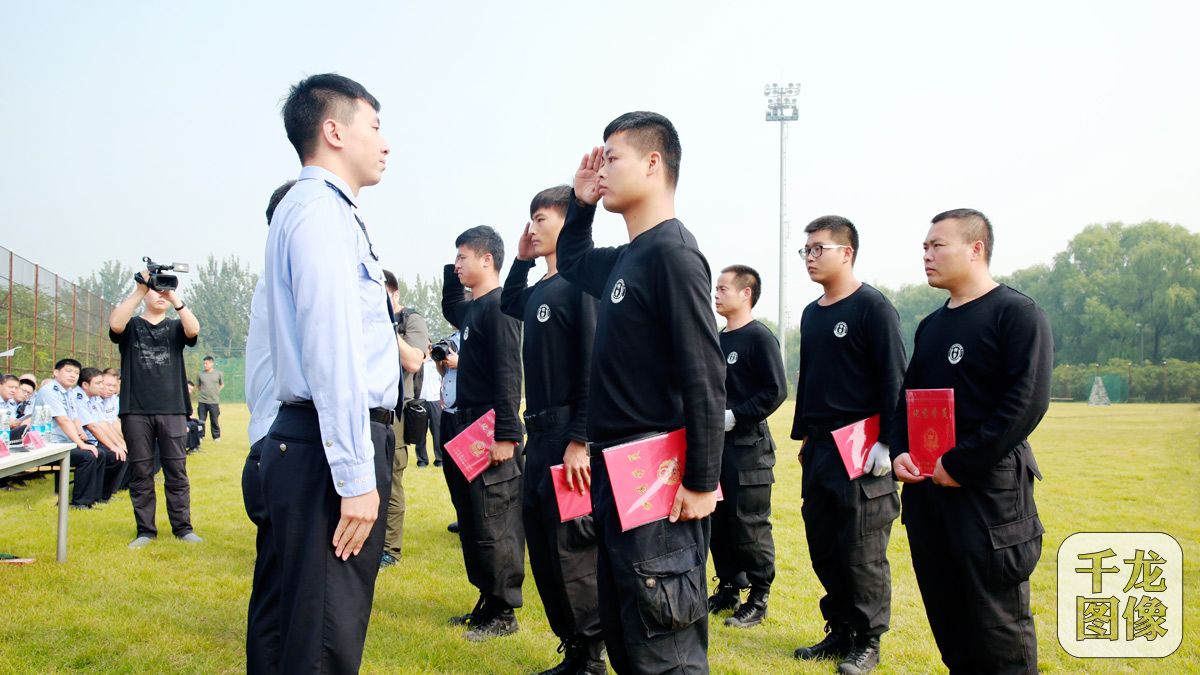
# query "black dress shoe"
(862, 659)
(493, 624)
(838, 642)
(452, 527)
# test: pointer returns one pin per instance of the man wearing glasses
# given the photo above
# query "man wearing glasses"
(851, 368)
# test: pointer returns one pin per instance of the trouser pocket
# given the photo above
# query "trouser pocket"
(1016, 549)
(501, 489)
(670, 591)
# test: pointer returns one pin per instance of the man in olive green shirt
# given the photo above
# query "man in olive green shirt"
(209, 402)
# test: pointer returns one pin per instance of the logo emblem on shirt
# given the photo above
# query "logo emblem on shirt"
(732, 358)
(956, 353)
(543, 314)
(618, 292)
(467, 333)
(840, 329)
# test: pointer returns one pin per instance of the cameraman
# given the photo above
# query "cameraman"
(154, 402)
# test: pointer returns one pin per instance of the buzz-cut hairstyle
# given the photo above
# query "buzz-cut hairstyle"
(745, 277)
(315, 99)
(975, 227)
(32, 383)
(88, 374)
(389, 280)
(483, 239)
(113, 371)
(651, 132)
(63, 363)
(556, 198)
(209, 358)
(9, 377)
(276, 197)
(842, 230)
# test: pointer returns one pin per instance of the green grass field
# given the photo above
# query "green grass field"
(179, 608)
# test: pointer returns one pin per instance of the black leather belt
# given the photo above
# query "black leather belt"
(379, 415)
(547, 419)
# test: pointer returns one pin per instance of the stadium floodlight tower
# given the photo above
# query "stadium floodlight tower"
(781, 107)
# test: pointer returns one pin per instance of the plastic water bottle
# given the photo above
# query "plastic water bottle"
(5, 433)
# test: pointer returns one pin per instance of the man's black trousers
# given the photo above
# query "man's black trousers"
(743, 549)
(142, 432)
(115, 472)
(848, 524)
(973, 550)
(434, 411)
(562, 555)
(489, 518)
(309, 609)
(213, 409)
(653, 599)
(89, 477)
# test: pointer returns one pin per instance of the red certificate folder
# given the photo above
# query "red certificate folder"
(854, 443)
(571, 504)
(645, 475)
(930, 426)
(471, 449)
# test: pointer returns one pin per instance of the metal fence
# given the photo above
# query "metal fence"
(47, 317)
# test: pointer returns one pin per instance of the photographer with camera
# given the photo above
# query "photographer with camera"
(154, 399)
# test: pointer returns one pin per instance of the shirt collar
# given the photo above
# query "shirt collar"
(320, 173)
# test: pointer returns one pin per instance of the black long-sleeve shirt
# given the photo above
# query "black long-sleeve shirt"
(656, 362)
(560, 325)
(489, 359)
(996, 352)
(755, 383)
(851, 363)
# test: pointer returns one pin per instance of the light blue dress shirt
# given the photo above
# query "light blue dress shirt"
(90, 410)
(260, 376)
(331, 339)
(61, 402)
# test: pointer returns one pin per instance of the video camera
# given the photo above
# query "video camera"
(158, 280)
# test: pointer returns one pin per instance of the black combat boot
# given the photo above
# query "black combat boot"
(862, 659)
(726, 598)
(752, 612)
(838, 642)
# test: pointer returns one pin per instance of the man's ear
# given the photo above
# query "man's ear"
(654, 163)
(331, 132)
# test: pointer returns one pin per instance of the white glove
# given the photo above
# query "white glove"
(730, 420)
(879, 462)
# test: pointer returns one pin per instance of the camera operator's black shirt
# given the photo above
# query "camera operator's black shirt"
(560, 325)
(851, 363)
(755, 385)
(489, 359)
(656, 362)
(996, 352)
(153, 374)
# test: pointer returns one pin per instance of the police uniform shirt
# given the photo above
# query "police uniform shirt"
(851, 363)
(60, 402)
(449, 385)
(90, 410)
(996, 352)
(112, 408)
(656, 361)
(331, 335)
(560, 325)
(489, 363)
(755, 384)
(260, 378)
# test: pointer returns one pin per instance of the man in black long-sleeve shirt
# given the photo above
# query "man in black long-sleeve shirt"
(973, 526)
(851, 365)
(560, 323)
(656, 366)
(489, 377)
(743, 549)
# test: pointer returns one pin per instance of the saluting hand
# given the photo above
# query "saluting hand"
(525, 245)
(691, 505)
(502, 451)
(587, 177)
(578, 467)
(906, 469)
(358, 517)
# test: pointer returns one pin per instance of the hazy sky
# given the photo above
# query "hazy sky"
(153, 128)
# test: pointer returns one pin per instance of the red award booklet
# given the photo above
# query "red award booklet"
(930, 426)
(571, 504)
(471, 450)
(645, 476)
(854, 443)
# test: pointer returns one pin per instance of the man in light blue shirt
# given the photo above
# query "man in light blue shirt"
(60, 397)
(326, 462)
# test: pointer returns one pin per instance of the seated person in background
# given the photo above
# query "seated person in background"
(24, 408)
(100, 432)
(59, 396)
(111, 402)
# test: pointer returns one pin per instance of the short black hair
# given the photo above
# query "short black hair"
(976, 227)
(390, 281)
(483, 239)
(62, 363)
(31, 383)
(651, 132)
(276, 197)
(556, 198)
(89, 374)
(745, 276)
(841, 228)
(5, 378)
(315, 99)
(209, 358)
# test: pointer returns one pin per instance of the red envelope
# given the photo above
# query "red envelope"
(854, 443)
(930, 426)
(571, 504)
(645, 475)
(471, 449)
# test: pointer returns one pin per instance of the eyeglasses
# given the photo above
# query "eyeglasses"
(817, 250)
